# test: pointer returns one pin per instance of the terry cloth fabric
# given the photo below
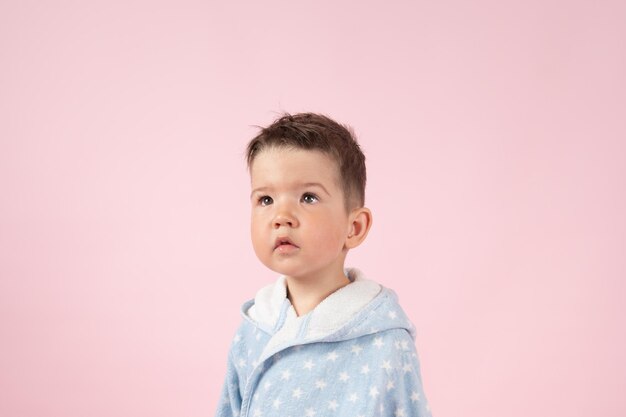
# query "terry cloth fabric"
(353, 355)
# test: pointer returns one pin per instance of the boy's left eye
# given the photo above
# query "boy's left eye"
(309, 198)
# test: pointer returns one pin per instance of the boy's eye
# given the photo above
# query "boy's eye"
(309, 198)
(265, 200)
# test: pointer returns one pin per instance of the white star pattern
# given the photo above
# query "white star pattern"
(390, 385)
(374, 392)
(267, 385)
(365, 369)
(400, 412)
(258, 413)
(415, 396)
(332, 356)
(405, 345)
(344, 376)
(392, 315)
(378, 342)
(237, 338)
(310, 412)
(353, 397)
(308, 365)
(297, 393)
(285, 375)
(277, 403)
(332, 405)
(356, 349)
(241, 363)
(386, 365)
(320, 384)
(406, 368)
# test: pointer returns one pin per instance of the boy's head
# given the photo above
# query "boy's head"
(308, 176)
(311, 131)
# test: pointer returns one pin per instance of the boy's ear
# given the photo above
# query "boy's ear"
(360, 224)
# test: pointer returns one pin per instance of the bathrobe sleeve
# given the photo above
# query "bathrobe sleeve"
(406, 398)
(230, 399)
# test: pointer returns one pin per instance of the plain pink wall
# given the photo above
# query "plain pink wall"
(495, 139)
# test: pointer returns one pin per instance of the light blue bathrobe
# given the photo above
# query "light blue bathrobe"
(353, 355)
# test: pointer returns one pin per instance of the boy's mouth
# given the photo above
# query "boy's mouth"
(284, 241)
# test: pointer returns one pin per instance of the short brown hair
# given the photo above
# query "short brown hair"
(318, 132)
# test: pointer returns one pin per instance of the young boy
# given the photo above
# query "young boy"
(322, 340)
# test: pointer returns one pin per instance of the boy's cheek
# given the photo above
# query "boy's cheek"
(261, 216)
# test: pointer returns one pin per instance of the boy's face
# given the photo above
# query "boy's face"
(295, 194)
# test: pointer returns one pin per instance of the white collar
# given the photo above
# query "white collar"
(273, 310)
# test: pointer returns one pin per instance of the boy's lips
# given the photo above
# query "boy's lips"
(284, 241)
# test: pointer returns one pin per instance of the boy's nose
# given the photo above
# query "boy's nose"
(284, 219)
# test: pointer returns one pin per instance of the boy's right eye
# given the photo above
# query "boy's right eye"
(265, 200)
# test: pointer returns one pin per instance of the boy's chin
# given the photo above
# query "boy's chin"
(285, 270)
(289, 272)
(294, 272)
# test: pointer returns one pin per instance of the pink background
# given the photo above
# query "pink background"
(495, 139)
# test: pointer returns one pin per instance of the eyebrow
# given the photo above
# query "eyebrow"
(306, 184)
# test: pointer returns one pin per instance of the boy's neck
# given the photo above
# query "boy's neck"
(306, 293)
